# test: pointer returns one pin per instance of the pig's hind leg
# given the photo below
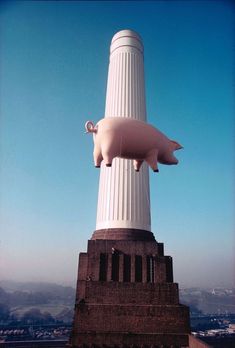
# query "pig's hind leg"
(97, 158)
(151, 159)
(108, 157)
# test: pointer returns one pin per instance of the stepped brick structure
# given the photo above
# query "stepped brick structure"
(126, 296)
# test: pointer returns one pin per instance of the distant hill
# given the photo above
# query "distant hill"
(36, 301)
(19, 293)
(209, 301)
(11, 285)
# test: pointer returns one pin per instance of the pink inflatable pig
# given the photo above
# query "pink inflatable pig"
(132, 139)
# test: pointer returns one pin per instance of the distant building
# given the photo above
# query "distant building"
(34, 344)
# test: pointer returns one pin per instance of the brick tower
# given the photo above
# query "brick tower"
(125, 291)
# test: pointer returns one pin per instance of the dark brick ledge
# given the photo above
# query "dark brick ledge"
(123, 234)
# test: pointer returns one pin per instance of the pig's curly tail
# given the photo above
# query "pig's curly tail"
(90, 128)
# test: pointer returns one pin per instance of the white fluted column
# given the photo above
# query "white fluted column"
(123, 200)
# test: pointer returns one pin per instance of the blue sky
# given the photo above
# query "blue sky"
(54, 64)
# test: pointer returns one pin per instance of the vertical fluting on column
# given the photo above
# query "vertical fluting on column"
(123, 199)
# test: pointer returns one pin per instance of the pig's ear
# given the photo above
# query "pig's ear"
(176, 145)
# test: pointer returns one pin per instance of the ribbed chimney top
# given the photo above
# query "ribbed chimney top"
(128, 38)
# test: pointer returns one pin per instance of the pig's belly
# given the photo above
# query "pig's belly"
(131, 155)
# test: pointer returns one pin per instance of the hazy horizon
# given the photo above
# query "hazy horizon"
(73, 284)
(54, 65)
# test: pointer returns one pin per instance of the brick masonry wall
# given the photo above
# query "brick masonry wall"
(142, 312)
(133, 318)
(131, 340)
(131, 293)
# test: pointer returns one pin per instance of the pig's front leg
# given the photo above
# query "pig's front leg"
(151, 159)
(137, 164)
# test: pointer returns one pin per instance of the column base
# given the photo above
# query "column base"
(123, 234)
